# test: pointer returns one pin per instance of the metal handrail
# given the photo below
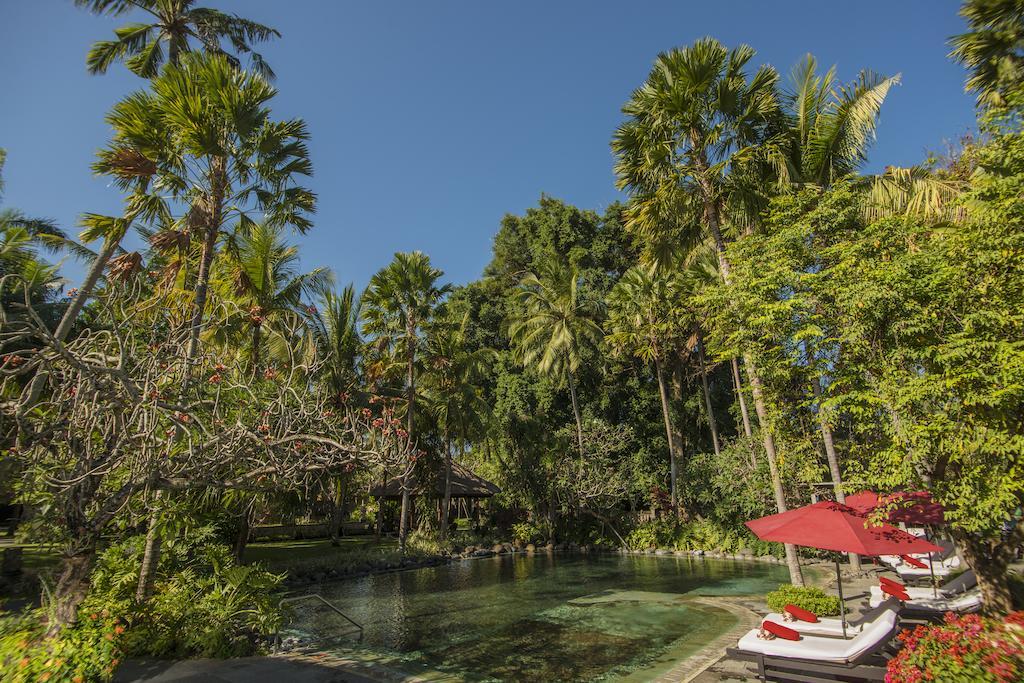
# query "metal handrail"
(277, 636)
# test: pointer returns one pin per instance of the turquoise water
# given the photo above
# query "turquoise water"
(540, 617)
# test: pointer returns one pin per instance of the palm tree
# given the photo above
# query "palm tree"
(260, 273)
(453, 394)
(333, 325)
(692, 129)
(643, 322)
(553, 328)
(992, 49)
(174, 23)
(398, 304)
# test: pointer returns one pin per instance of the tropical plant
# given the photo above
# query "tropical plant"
(259, 274)
(690, 142)
(992, 49)
(398, 304)
(174, 23)
(645, 321)
(552, 328)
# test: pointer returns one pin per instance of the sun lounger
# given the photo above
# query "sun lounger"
(929, 607)
(817, 659)
(833, 626)
(950, 589)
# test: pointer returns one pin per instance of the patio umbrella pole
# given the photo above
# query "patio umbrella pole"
(842, 602)
(931, 567)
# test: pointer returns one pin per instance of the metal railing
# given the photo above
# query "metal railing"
(316, 596)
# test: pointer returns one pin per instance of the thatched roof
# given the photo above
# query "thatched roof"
(465, 484)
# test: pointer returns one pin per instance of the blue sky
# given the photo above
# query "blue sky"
(431, 120)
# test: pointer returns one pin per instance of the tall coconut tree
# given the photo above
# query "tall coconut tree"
(693, 125)
(259, 272)
(453, 394)
(992, 49)
(180, 27)
(644, 322)
(398, 305)
(553, 327)
(333, 325)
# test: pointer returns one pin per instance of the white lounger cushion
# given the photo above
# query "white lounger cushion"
(951, 589)
(958, 603)
(833, 626)
(824, 649)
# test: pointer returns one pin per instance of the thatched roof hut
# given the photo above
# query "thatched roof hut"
(465, 484)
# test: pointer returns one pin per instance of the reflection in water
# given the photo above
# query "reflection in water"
(540, 617)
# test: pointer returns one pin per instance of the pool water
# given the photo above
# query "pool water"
(543, 617)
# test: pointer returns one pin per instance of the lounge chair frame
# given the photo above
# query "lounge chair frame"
(870, 666)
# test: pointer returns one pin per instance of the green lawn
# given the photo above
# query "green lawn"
(277, 554)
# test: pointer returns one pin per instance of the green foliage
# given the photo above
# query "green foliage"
(527, 532)
(88, 650)
(701, 534)
(809, 598)
(203, 604)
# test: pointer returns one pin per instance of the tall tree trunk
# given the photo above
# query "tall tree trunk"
(380, 505)
(254, 351)
(707, 394)
(668, 433)
(242, 539)
(738, 383)
(338, 511)
(990, 559)
(72, 585)
(447, 502)
(833, 459)
(150, 554)
(403, 523)
(218, 185)
(792, 559)
(576, 413)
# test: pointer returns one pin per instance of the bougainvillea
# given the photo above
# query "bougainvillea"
(964, 648)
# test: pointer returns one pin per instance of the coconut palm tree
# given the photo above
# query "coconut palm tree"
(398, 305)
(691, 130)
(260, 273)
(553, 327)
(644, 321)
(333, 325)
(992, 49)
(175, 24)
(453, 393)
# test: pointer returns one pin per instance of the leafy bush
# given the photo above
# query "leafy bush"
(700, 534)
(89, 650)
(527, 532)
(203, 604)
(964, 648)
(809, 598)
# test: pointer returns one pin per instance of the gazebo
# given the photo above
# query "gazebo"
(467, 488)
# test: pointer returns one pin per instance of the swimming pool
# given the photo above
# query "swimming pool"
(543, 617)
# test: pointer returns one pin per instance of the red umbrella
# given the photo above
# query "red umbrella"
(911, 507)
(831, 526)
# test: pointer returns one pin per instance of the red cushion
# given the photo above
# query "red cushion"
(895, 592)
(801, 614)
(913, 562)
(780, 631)
(889, 582)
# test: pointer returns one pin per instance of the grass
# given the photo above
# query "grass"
(278, 555)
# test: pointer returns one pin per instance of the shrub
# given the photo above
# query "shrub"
(527, 532)
(203, 604)
(964, 648)
(88, 650)
(809, 598)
